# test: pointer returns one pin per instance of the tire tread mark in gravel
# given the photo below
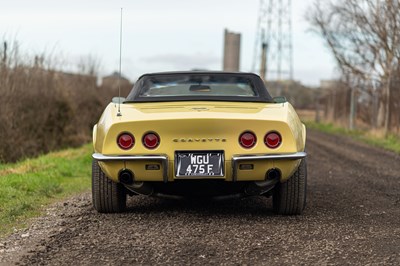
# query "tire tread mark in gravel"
(361, 158)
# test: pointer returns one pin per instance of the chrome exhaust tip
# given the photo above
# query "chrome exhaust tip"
(125, 176)
(273, 174)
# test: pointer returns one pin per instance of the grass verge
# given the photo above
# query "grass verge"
(27, 186)
(392, 142)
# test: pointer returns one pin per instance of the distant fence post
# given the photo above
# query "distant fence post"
(5, 53)
(317, 107)
(352, 108)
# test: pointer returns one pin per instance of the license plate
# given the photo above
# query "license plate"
(199, 164)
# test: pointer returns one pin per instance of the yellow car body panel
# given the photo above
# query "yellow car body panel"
(199, 126)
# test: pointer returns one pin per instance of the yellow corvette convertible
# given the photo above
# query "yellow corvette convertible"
(199, 134)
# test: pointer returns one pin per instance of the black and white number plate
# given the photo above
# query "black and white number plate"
(199, 164)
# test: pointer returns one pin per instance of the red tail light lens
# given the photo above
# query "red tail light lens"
(273, 140)
(125, 141)
(151, 140)
(247, 140)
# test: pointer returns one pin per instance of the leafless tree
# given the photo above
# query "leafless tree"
(364, 37)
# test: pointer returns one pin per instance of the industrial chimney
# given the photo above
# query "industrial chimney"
(231, 51)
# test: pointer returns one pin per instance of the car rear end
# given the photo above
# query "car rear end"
(192, 133)
(233, 142)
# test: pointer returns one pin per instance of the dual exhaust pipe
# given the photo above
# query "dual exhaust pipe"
(272, 176)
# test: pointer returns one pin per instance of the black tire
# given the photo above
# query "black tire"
(107, 196)
(289, 198)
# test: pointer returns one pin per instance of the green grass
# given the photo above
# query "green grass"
(27, 186)
(391, 142)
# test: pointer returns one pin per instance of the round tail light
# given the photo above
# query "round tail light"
(273, 140)
(247, 140)
(151, 140)
(125, 141)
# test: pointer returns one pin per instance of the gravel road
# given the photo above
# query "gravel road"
(352, 217)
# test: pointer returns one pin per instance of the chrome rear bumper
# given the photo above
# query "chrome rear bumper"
(159, 158)
(235, 159)
(285, 156)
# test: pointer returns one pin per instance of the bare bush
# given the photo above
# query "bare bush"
(44, 109)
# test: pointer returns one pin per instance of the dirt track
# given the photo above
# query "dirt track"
(352, 217)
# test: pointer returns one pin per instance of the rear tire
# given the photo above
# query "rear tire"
(289, 198)
(107, 196)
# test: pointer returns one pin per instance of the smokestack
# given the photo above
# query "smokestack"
(231, 51)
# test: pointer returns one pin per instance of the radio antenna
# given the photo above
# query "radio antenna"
(120, 59)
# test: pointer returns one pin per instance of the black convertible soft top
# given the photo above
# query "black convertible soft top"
(199, 86)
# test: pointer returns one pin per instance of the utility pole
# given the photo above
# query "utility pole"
(263, 66)
(274, 32)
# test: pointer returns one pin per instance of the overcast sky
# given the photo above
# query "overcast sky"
(158, 35)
